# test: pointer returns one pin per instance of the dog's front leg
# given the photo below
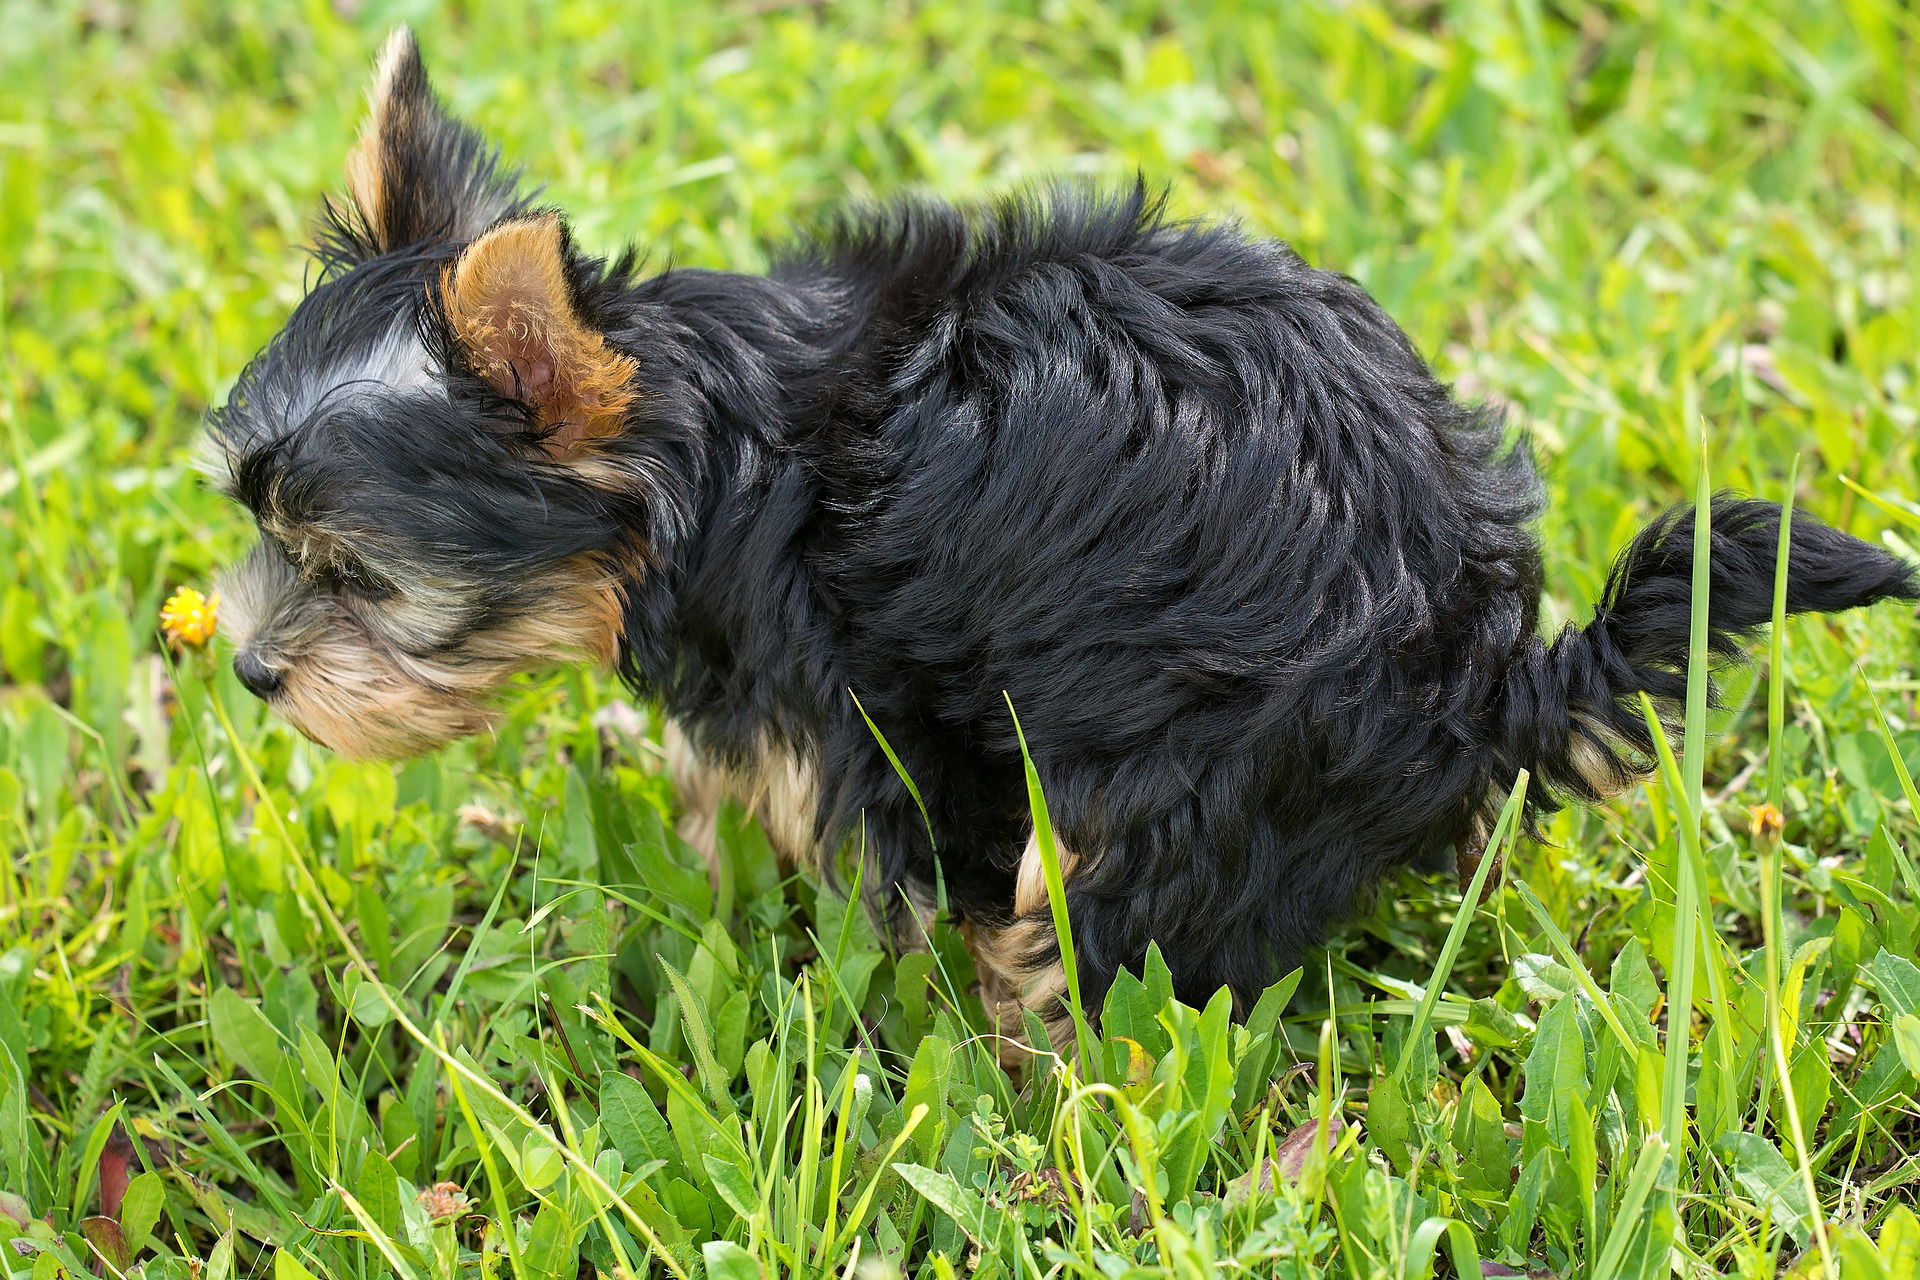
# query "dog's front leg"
(703, 787)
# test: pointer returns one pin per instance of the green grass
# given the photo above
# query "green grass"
(255, 1000)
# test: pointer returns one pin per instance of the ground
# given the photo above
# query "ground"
(257, 1005)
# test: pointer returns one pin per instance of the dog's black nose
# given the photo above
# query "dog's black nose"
(261, 680)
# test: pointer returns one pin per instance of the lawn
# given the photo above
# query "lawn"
(263, 1012)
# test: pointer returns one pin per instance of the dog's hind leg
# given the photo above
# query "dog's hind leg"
(1018, 962)
(1230, 903)
(1019, 967)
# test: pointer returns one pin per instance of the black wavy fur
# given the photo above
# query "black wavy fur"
(1262, 592)
(1638, 641)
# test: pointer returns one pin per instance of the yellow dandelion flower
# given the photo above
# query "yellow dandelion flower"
(190, 618)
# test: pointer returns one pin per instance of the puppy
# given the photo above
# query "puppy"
(1262, 594)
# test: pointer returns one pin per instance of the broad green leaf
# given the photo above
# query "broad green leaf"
(244, 1034)
(727, 1261)
(928, 1080)
(1390, 1120)
(378, 1190)
(552, 1244)
(288, 1267)
(141, 1207)
(1555, 1071)
(693, 1015)
(1900, 1243)
(1766, 1178)
(1491, 1024)
(1896, 979)
(733, 1187)
(1631, 979)
(1906, 1035)
(540, 1162)
(965, 1207)
(1523, 1206)
(1130, 1012)
(360, 795)
(220, 1260)
(632, 1122)
(1812, 1081)
(1209, 1092)
(368, 1005)
(1479, 1135)
(913, 979)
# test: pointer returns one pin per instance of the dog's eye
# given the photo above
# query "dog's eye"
(355, 576)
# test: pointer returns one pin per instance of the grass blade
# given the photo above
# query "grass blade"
(1469, 906)
(1056, 888)
(906, 779)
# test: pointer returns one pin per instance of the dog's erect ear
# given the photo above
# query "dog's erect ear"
(510, 304)
(417, 174)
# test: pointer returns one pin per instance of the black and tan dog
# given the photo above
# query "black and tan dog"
(1262, 593)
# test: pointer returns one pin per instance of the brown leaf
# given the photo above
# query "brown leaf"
(497, 827)
(1049, 1187)
(1466, 861)
(444, 1201)
(1290, 1157)
(1288, 1161)
(1242, 1188)
(105, 1236)
(116, 1171)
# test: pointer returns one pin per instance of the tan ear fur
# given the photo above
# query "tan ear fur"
(366, 166)
(416, 173)
(508, 302)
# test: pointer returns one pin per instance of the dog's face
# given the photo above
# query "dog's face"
(431, 450)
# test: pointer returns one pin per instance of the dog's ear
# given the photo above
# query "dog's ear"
(416, 174)
(510, 304)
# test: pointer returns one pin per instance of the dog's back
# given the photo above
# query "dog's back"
(1245, 570)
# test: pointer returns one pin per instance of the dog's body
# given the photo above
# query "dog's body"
(1261, 593)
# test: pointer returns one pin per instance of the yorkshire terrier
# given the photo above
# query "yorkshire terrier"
(1261, 592)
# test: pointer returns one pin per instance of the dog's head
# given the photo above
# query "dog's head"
(438, 448)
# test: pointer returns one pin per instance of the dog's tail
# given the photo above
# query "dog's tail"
(1572, 714)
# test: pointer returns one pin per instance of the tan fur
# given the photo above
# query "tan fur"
(310, 547)
(580, 618)
(1010, 980)
(1030, 878)
(347, 698)
(345, 689)
(1599, 768)
(783, 791)
(1010, 984)
(507, 300)
(702, 788)
(779, 788)
(366, 167)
